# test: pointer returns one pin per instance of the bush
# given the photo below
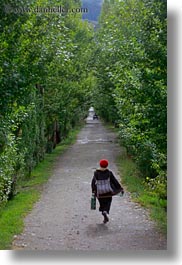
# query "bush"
(8, 159)
(158, 186)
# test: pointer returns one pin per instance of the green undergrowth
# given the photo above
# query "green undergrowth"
(28, 192)
(141, 193)
(138, 188)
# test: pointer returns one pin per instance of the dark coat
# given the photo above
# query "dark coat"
(104, 174)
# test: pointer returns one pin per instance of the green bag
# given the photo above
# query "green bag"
(93, 202)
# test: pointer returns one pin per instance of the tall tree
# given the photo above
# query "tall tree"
(44, 71)
(131, 73)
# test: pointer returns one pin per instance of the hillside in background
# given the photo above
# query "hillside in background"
(94, 7)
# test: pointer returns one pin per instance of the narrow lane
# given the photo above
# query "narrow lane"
(62, 219)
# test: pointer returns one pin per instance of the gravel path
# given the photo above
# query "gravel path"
(62, 219)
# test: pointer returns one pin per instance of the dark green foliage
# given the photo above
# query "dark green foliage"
(52, 68)
(131, 76)
(43, 74)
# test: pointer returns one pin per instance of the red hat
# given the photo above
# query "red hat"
(104, 163)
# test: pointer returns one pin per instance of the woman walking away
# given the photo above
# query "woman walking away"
(104, 186)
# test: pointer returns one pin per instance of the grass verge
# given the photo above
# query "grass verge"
(14, 212)
(141, 193)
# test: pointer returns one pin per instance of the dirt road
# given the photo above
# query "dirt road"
(62, 219)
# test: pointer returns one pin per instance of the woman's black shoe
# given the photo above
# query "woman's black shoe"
(106, 219)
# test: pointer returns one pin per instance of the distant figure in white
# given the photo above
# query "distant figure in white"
(91, 113)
